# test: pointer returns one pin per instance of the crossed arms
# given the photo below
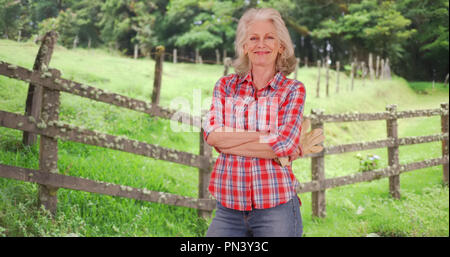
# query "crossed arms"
(242, 143)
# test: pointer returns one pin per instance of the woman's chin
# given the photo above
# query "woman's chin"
(262, 63)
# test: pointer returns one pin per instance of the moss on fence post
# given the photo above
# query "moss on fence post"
(393, 161)
(34, 98)
(159, 58)
(48, 151)
(444, 129)
(204, 175)
(318, 172)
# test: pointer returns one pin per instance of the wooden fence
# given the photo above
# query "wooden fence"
(51, 130)
(320, 184)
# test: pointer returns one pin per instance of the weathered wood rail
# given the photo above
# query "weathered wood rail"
(52, 130)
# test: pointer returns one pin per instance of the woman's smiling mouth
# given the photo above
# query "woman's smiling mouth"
(261, 52)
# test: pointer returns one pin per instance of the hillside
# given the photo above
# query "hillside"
(88, 214)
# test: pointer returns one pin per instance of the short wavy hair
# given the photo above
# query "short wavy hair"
(285, 62)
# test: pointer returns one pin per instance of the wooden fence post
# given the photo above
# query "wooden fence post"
(48, 151)
(204, 176)
(387, 69)
(327, 67)
(363, 72)
(217, 56)
(136, 51)
(318, 78)
(75, 42)
(34, 98)
(444, 129)
(372, 73)
(224, 55)
(352, 75)
(197, 56)
(377, 68)
(226, 64)
(338, 69)
(158, 74)
(393, 160)
(174, 55)
(297, 61)
(318, 172)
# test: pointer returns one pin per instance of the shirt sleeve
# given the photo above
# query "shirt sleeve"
(215, 116)
(289, 128)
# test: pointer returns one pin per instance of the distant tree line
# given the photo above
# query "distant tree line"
(413, 34)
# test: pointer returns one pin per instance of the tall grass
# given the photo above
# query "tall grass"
(353, 210)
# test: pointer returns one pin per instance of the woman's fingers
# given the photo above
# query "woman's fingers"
(316, 132)
(308, 142)
(316, 149)
(318, 140)
(306, 125)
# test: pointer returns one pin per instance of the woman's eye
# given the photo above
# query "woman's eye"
(253, 38)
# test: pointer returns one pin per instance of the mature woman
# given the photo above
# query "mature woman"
(255, 123)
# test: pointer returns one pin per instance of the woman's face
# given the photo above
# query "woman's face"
(262, 44)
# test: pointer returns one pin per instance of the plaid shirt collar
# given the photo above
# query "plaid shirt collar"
(273, 83)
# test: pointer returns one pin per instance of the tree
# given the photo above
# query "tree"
(427, 53)
(143, 23)
(124, 23)
(87, 15)
(206, 25)
(10, 22)
(370, 27)
(304, 16)
(77, 22)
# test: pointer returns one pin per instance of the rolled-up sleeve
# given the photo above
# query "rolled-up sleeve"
(214, 117)
(289, 127)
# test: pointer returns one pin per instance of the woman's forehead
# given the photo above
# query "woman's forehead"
(262, 33)
(261, 28)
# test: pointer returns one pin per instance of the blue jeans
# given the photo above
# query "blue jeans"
(283, 220)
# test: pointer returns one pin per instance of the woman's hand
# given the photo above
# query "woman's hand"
(309, 142)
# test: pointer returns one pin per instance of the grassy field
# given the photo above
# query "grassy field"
(355, 210)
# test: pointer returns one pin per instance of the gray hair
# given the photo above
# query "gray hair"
(285, 62)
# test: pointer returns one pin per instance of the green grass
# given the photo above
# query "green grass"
(353, 210)
(425, 88)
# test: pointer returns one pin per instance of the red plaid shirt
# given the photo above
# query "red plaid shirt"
(243, 183)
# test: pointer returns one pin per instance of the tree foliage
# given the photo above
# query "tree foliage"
(412, 33)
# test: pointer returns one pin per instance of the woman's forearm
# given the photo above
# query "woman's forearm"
(225, 137)
(251, 149)
(241, 142)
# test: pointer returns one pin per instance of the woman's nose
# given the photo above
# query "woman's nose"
(260, 43)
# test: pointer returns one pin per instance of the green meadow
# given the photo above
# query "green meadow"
(358, 210)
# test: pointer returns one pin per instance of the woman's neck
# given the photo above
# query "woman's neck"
(261, 75)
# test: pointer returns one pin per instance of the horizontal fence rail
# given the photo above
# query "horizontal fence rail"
(68, 132)
(87, 185)
(356, 116)
(52, 79)
(367, 176)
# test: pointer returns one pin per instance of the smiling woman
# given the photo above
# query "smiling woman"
(263, 30)
(254, 188)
